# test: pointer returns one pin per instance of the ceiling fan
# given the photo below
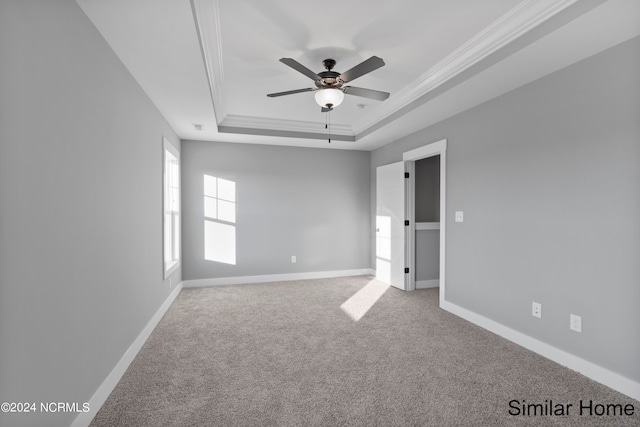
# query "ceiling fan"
(329, 84)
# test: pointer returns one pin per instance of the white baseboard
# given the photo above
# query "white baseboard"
(100, 396)
(591, 370)
(425, 284)
(197, 283)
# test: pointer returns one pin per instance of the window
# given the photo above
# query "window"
(171, 203)
(220, 218)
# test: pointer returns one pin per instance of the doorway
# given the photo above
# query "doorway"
(425, 237)
(396, 224)
(426, 198)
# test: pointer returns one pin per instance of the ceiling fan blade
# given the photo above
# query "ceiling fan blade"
(362, 68)
(300, 68)
(367, 93)
(289, 92)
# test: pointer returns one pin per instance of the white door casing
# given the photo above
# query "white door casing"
(409, 157)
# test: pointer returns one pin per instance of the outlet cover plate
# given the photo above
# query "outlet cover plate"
(575, 323)
(536, 310)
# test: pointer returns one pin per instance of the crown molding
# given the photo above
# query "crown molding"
(247, 122)
(526, 16)
(509, 27)
(207, 20)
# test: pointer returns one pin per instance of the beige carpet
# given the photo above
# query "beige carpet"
(286, 354)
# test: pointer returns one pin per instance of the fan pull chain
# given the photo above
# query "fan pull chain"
(327, 124)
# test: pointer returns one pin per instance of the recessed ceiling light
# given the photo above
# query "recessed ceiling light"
(198, 126)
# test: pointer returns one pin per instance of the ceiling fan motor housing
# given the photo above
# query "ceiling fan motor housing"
(329, 79)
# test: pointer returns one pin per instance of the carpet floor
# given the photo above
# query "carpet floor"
(286, 354)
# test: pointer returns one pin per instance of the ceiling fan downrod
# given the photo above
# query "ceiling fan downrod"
(329, 64)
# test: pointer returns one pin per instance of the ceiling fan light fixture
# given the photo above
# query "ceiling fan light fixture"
(329, 98)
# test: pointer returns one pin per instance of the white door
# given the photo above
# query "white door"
(390, 229)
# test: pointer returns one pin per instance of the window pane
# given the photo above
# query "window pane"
(167, 200)
(167, 237)
(171, 201)
(175, 172)
(226, 190)
(170, 158)
(210, 207)
(226, 211)
(176, 236)
(210, 186)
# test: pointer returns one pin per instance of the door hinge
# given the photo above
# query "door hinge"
(406, 222)
(406, 174)
(406, 270)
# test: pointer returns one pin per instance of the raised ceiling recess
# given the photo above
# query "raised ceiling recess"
(212, 62)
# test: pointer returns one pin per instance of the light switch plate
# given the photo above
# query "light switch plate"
(459, 216)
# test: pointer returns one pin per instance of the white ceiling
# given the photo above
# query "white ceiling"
(212, 62)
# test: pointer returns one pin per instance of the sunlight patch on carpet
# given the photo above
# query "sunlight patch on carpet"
(358, 305)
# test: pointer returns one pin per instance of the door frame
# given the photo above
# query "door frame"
(410, 157)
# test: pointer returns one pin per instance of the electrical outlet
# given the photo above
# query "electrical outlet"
(293, 259)
(536, 310)
(575, 323)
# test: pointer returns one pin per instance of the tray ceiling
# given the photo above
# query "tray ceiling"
(212, 62)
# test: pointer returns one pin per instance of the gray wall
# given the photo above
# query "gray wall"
(81, 208)
(427, 253)
(312, 203)
(427, 189)
(548, 177)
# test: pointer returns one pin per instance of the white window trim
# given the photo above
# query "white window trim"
(172, 265)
